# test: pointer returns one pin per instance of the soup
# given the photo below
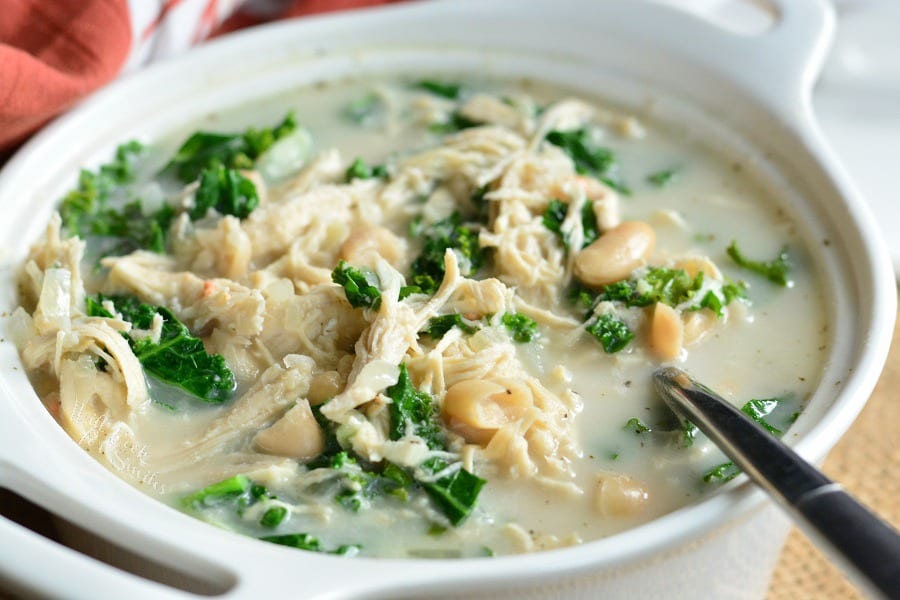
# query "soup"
(422, 306)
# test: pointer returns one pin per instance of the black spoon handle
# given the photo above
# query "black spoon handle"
(868, 547)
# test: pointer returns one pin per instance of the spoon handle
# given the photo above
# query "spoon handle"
(866, 546)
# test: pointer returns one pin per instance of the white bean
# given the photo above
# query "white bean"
(615, 254)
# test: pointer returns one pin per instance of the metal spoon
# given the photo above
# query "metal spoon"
(866, 547)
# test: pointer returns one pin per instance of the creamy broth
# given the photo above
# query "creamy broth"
(601, 472)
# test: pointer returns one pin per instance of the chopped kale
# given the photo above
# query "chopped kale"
(304, 541)
(637, 426)
(229, 489)
(555, 214)
(759, 409)
(523, 329)
(360, 285)
(450, 233)
(777, 270)
(480, 203)
(178, 358)
(439, 326)
(273, 517)
(81, 206)
(413, 411)
(361, 170)
(456, 494)
(589, 160)
(363, 109)
(85, 211)
(451, 91)
(232, 150)
(226, 191)
(722, 473)
(662, 178)
(658, 284)
(611, 331)
(689, 433)
(455, 122)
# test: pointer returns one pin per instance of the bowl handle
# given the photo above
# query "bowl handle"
(783, 63)
(39, 565)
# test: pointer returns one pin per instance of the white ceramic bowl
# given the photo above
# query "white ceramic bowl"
(748, 95)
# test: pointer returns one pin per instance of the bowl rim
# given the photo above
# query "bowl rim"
(689, 522)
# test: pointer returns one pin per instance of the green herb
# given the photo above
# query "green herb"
(226, 191)
(81, 206)
(662, 178)
(761, 408)
(413, 411)
(361, 170)
(776, 270)
(523, 329)
(363, 109)
(455, 122)
(450, 233)
(481, 204)
(360, 285)
(658, 284)
(597, 162)
(451, 91)
(553, 218)
(232, 150)
(304, 541)
(456, 494)
(689, 433)
(439, 326)
(84, 210)
(416, 226)
(611, 331)
(637, 426)
(273, 517)
(758, 410)
(179, 358)
(224, 490)
(722, 473)
(555, 214)
(580, 296)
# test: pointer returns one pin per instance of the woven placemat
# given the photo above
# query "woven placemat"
(867, 462)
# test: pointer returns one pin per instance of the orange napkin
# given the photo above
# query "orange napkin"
(53, 53)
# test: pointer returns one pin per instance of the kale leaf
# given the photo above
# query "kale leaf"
(413, 409)
(305, 541)
(611, 331)
(179, 358)
(455, 122)
(555, 214)
(658, 284)
(440, 325)
(662, 178)
(363, 109)
(361, 170)
(456, 494)
(360, 285)
(597, 162)
(85, 211)
(635, 425)
(450, 91)
(777, 270)
(450, 233)
(228, 489)
(232, 150)
(522, 328)
(226, 191)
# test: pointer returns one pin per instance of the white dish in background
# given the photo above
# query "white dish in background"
(857, 101)
(631, 53)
